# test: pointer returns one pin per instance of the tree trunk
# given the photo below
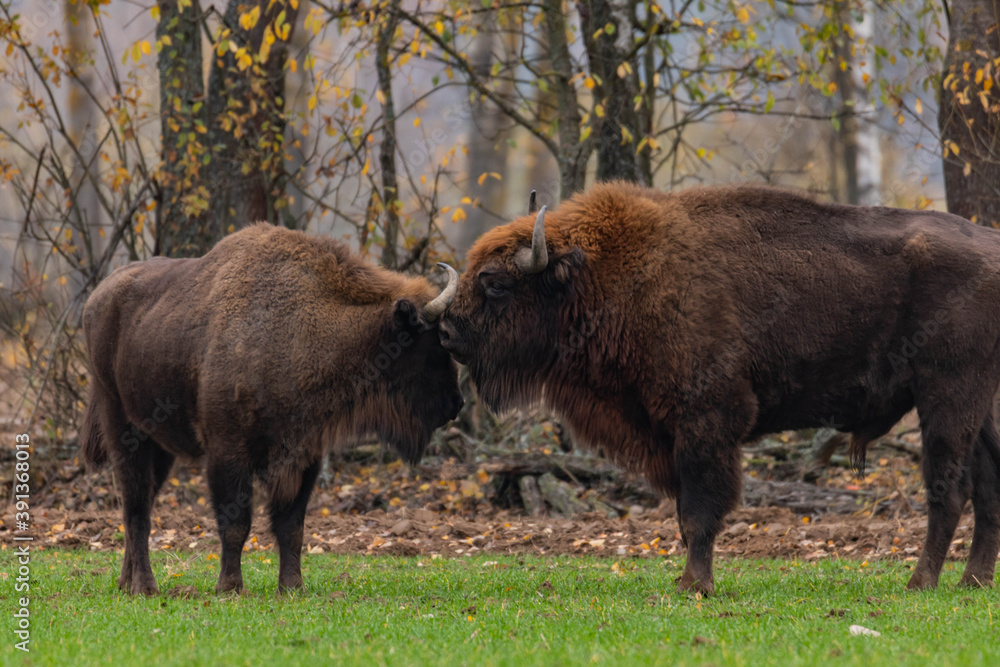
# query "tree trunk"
(83, 125)
(487, 143)
(180, 204)
(387, 151)
(246, 178)
(573, 154)
(868, 139)
(607, 27)
(847, 132)
(969, 114)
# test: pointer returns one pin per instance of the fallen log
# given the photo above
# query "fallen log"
(531, 496)
(802, 497)
(560, 496)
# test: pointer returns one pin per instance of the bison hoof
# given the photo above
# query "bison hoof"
(982, 580)
(920, 582)
(705, 587)
(144, 588)
(290, 586)
(227, 585)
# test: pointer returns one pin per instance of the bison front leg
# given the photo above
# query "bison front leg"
(709, 477)
(231, 485)
(287, 522)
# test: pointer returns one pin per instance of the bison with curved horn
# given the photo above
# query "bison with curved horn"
(258, 356)
(669, 328)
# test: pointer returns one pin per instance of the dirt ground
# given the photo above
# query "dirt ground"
(448, 508)
(751, 533)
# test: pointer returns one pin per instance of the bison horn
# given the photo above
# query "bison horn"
(536, 259)
(437, 306)
(532, 202)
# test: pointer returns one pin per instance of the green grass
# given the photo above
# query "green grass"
(501, 611)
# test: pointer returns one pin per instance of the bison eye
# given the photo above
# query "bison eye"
(495, 286)
(495, 289)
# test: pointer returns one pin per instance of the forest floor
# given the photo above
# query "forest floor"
(448, 507)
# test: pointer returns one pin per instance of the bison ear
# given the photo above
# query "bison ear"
(561, 270)
(406, 315)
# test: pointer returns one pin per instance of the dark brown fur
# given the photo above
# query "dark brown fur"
(668, 328)
(259, 355)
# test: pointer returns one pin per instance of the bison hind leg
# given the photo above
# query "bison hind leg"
(140, 473)
(948, 447)
(288, 513)
(981, 567)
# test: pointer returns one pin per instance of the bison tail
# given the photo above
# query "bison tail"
(92, 436)
(859, 452)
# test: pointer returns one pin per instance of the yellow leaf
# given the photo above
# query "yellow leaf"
(293, 65)
(166, 40)
(919, 106)
(589, 82)
(61, 280)
(968, 168)
(599, 110)
(380, 96)
(482, 178)
(368, 165)
(146, 50)
(458, 215)
(742, 15)
(249, 20)
(416, 122)
(174, 481)
(312, 103)
(831, 87)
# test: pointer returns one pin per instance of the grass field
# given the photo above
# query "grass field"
(500, 611)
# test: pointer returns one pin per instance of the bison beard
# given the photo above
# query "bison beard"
(260, 355)
(668, 328)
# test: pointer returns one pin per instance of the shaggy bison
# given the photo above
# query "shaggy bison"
(259, 355)
(668, 328)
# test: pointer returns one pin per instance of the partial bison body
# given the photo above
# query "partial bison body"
(259, 355)
(666, 329)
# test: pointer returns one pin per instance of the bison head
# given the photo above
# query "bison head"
(409, 379)
(510, 310)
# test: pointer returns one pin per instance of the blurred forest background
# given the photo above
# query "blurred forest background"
(138, 128)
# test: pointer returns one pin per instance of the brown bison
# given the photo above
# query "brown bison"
(668, 328)
(259, 355)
